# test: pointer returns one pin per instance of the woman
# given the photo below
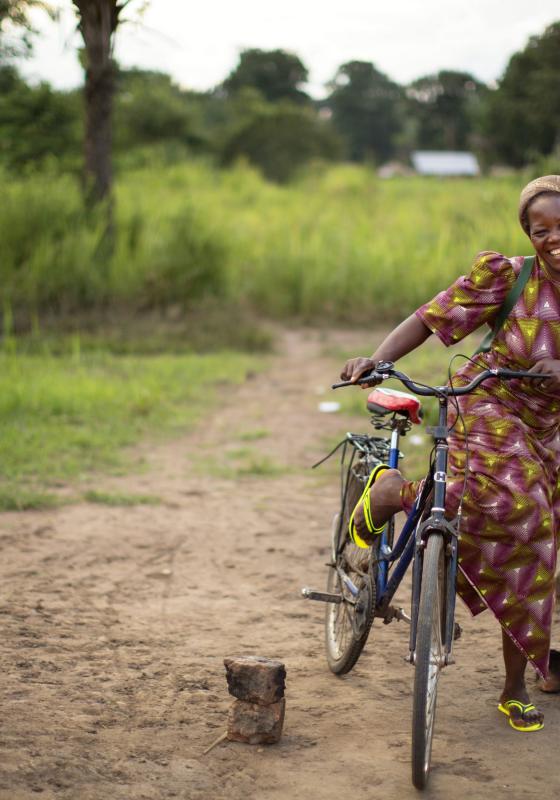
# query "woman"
(511, 507)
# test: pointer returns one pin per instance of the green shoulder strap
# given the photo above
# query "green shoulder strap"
(511, 299)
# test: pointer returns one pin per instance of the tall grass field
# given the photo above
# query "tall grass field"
(210, 250)
(338, 244)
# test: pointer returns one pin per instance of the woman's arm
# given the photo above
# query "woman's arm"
(405, 338)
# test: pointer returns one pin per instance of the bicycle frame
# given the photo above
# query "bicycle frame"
(426, 517)
(394, 561)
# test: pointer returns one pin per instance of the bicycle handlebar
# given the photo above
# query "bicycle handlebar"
(384, 371)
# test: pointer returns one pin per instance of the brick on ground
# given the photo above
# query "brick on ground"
(255, 724)
(255, 679)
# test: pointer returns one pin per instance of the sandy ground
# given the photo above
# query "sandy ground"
(115, 623)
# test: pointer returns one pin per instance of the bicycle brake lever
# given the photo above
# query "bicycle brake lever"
(360, 381)
(381, 373)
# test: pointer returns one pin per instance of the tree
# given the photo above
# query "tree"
(97, 22)
(444, 107)
(36, 123)
(365, 107)
(276, 74)
(523, 114)
(282, 138)
(151, 109)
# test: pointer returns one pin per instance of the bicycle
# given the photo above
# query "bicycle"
(362, 583)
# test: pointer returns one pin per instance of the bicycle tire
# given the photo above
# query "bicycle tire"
(347, 627)
(429, 656)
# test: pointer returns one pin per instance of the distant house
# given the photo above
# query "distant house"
(441, 163)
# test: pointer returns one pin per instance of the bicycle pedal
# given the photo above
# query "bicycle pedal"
(323, 597)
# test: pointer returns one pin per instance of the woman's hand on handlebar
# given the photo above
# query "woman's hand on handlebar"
(551, 368)
(356, 367)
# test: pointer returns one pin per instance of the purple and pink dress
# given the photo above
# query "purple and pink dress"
(511, 508)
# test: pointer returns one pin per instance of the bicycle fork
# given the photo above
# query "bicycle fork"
(437, 523)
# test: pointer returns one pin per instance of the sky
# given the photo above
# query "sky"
(198, 43)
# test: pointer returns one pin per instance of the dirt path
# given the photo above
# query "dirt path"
(115, 622)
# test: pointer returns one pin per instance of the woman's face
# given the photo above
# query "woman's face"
(544, 229)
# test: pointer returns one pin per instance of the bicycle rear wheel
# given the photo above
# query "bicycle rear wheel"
(430, 656)
(347, 624)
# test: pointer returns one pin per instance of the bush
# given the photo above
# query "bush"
(183, 260)
(280, 140)
(49, 249)
(54, 258)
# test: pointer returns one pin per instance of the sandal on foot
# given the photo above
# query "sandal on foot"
(523, 708)
(365, 500)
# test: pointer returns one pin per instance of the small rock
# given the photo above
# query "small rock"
(255, 724)
(256, 679)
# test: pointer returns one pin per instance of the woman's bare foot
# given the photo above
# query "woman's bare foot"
(551, 684)
(385, 500)
(515, 692)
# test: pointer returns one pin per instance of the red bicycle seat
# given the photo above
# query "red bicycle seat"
(388, 401)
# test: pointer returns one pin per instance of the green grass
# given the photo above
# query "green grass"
(113, 339)
(241, 462)
(18, 498)
(63, 417)
(254, 435)
(338, 244)
(261, 466)
(120, 499)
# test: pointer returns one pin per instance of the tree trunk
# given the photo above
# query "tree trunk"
(98, 20)
(98, 90)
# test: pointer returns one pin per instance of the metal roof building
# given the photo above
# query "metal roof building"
(441, 162)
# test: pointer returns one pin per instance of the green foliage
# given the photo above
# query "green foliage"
(338, 243)
(365, 110)
(182, 260)
(445, 107)
(48, 248)
(150, 107)
(37, 124)
(53, 261)
(343, 244)
(523, 116)
(280, 140)
(276, 74)
(260, 113)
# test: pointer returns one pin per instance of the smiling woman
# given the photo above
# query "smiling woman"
(539, 214)
(508, 490)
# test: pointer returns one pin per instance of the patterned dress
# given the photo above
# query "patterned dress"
(511, 507)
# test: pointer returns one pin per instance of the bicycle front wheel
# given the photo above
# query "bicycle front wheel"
(430, 656)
